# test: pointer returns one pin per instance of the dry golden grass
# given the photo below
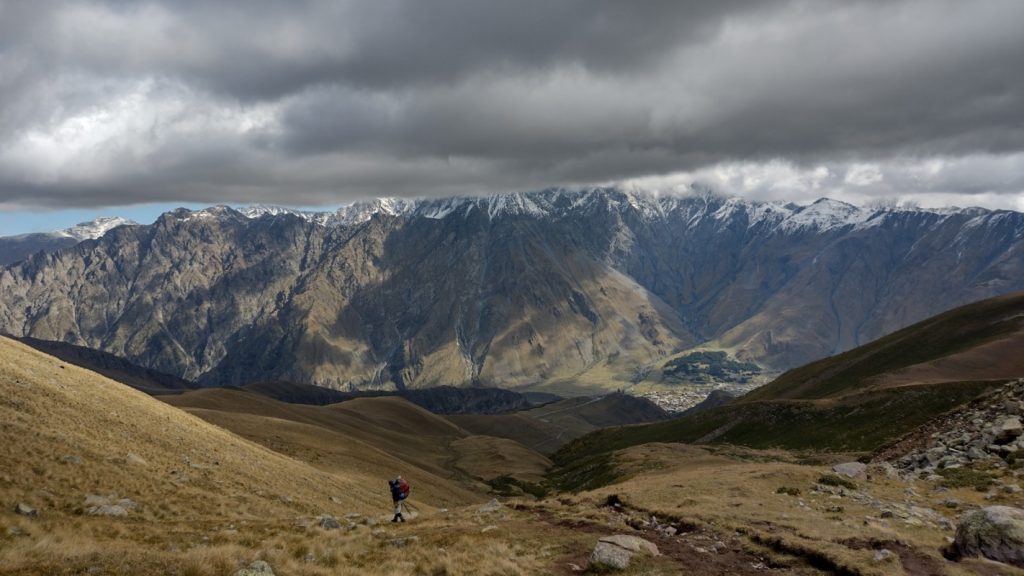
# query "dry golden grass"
(210, 501)
(736, 490)
(379, 436)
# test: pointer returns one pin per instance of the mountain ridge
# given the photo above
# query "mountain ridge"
(585, 286)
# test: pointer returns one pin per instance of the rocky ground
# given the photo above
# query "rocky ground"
(986, 435)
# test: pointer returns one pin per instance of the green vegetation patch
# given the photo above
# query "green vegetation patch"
(586, 474)
(965, 478)
(709, 366)
(508, 486)
(788, 490)
(859, 423)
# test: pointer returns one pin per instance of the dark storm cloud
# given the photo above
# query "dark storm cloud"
(317, 101)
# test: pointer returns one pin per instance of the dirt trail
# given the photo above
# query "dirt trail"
(690, 548)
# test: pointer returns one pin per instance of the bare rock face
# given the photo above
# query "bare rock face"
(504, 290)
(996, 533)
(852, 470)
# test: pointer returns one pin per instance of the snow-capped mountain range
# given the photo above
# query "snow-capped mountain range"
(508, 290)
(823, 214)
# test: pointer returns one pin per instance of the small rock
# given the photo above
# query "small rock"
(402, 542)
(951, 503)
(26, 510)
(884, 555)
(135, 460)
(490, 507)
(329, 523)
(1011, 489)
(487, 529)
(257, 568)
(108, 506)
(575, 567)
(71, 459)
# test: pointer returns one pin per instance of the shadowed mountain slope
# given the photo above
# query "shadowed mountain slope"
(113, 367)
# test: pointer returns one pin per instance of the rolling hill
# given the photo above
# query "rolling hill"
(118, 369)
(390, 433)
(72, 440)
(858, 400)
(548, 427)
(98, 478)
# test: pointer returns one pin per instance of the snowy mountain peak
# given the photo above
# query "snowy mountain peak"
(94, 228)
(826, 214)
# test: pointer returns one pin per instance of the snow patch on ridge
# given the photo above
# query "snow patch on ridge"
(93, 229)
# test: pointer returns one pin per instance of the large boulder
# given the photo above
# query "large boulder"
(996, 532)
(852, 470)
(632, 543)
(616, 552)
(1008, 430)
(609, 556)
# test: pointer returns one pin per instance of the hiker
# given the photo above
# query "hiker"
(399, 492)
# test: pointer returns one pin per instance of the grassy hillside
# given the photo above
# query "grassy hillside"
(392, 434)
(69, 433)
(206, 502)
(966, 343)
(857, 423)
(854, 401)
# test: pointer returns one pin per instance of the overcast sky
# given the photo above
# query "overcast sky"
(114, 103)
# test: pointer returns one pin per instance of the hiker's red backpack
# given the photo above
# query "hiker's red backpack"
(403, 489)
